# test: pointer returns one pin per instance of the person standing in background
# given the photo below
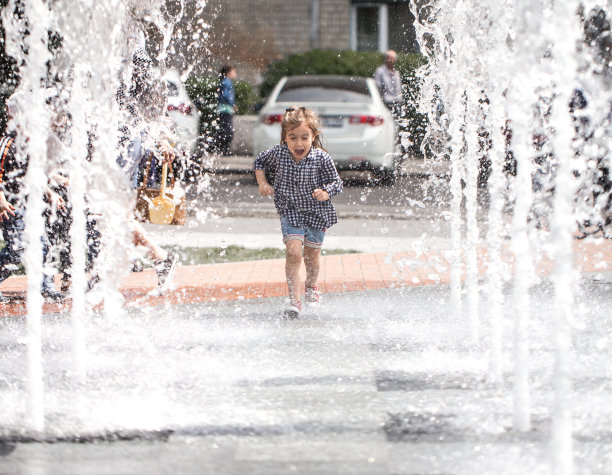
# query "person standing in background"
(13, 205)
(226, 98)
(389, 83)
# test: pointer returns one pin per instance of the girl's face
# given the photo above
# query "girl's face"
(299, 140)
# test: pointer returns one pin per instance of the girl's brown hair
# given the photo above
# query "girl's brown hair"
(296, 116)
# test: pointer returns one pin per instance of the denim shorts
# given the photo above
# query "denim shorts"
(310, 237)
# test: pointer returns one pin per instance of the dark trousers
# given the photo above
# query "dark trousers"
(59, 237)
(396, 112)
(10, 255)
(395, 108)
(225, 134)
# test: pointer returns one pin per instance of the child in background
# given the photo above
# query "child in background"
(305, 180)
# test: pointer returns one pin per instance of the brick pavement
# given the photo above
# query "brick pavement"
(339, 273)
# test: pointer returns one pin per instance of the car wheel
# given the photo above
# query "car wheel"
(385, 176)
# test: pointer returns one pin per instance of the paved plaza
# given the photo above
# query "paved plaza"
(382, 379)
(374, 382)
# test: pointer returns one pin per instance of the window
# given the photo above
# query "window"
(326, 89)
(402, 36)
(379, 25)
(367, 26)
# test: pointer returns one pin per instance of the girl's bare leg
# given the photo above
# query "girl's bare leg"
(140, 238)
(293, 260)
(311, 261)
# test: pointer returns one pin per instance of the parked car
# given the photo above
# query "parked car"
(182, 111)
(358, 130)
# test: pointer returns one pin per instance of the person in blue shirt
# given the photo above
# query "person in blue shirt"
(305, 180)
(226, 108)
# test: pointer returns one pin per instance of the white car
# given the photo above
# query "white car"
(358, 130)
(182, 111)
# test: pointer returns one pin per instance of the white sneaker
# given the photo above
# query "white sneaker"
(165, 271)
(312, 297)
(293, 310)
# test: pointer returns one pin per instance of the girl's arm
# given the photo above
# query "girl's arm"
(265, 160)
(264, 187)
(332, 183)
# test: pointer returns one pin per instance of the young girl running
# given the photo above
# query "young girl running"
(305, 179)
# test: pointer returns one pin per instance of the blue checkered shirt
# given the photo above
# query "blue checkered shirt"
(295, 182)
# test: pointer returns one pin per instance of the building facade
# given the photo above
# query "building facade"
(252, 33)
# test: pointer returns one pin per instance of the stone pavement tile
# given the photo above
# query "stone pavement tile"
(353, 272)
(334, 271)
(259, 272)
(389, 275)
(428, 275)
(593, 255)
(439, 266)
(241, 274)
(408, 269)
(371, 274)
(275, 289)
(543, 265)
(275, 284)
(227, 272)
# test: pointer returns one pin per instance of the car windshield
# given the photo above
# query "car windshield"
(298, 90)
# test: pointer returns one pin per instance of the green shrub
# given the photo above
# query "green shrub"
(357, 63)
(246, 97)
(346, 63)
(203, 92)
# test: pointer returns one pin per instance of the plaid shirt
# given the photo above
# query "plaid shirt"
(295, 182)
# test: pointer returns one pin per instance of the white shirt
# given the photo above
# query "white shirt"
(389, 84)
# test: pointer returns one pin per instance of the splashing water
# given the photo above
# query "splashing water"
(519, 57)
(79, 80)
(481, 80)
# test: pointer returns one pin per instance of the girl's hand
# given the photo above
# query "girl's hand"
(167, 150)
(6, 209)
(266, 189)
(56, 200)
(320, 195)
(57, 179)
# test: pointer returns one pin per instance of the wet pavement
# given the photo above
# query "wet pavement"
(377, 382)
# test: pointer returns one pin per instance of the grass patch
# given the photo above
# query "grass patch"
(222, 255)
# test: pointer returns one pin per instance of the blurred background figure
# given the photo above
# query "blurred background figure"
(226, 98)
(389, 83)
(13, 205)
(145, 134)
